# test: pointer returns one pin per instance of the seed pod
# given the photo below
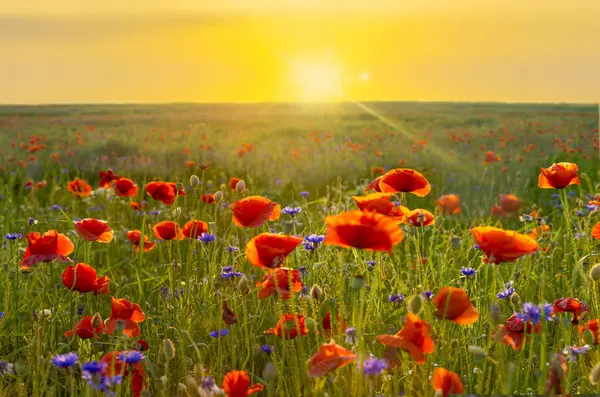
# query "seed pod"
(169, 349)
(357, 282)
(240, 186)
(194, 181)
(269, 372)
(317, 293)
(96, 320)
(595, 375)
(243, 285)
(177, 212)
(595, 272)
(415, 304)
(479, 355)
(218, 196)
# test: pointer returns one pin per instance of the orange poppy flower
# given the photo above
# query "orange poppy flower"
(559, 176)
(130, 314)
(591, 325)
(168, 230)
(106, 178)
(510, 203)
(596, 231)
(193, 229)
(330, 357)
(339, 326)
(420, 217)
(381, 204)
(289, 326)
(45, 248)
(513, 333)
(502, 245)
(85, 328)
(190, 163)
(282, 282)
(254, 211)
(447, 381)
(450, 204)
(237, 384)
(490, 157)
(539, 231)
(124, 187)
(401, 180)
(165, 192)
(115, 366)
(208, 198)
(370, 231)
(268, 250)
(571, 305)
(79, 187)
(83, 278)
(233, 181)
(454, 304)
(413, 338)
(377, 171)
(91, 229)
(134, 237)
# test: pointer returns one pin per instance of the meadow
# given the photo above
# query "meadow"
(317, 287)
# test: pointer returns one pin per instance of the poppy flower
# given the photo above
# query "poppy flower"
(450, 204)
(596, 231)
(381, 204)
(168, 230)
(377, 171)
(282, 282)
(88, 327)
(556, 375)
(115, 365)
(571, 305)
(337, 327)
(490, 157)
(268, 250)
(514, 331)
(141, 345)
(289, 326)
(401, 180)
(124, 187)
(254, 211)
(454, 304)
(91, 229)
(559, 176)
(592, 326)
(106, 178)
(165, 192)
(228, 315)
(83, 278)
(233, 181)
(130, 314)
(539, 231)
(45, 248)
(79, 187)
(510, 203)
(420, 217)
(447, 381)
(237, 384)
(208, 198)
(370, 231)
(193, 229)
(134, 237)
(502, 245)
(328, 358)
(413, 338)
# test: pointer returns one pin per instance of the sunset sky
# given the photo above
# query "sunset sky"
(297, 50)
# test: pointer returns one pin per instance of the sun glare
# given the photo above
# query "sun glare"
(317, 81)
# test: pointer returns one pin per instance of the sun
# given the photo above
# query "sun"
(317, 81)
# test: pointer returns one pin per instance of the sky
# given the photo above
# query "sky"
(57, 51)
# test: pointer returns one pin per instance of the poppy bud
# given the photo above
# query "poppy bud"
(44, 314)
(357, 282)
(169, 349)
(588, 337)
(240, 186)
(316, 293)
(96, 320)
(203, 167)
(595, 272)
(191, 383)
(595, 374)
(269, 372)
(145, 393)
(479, 355)
(288, 227)
(309, 323)
(515, 299)
(415, 304)
(194, 181)
(243, 285)
(495, 314)
(177, 212)
(218, 196)
(455, 242)
(182, 389)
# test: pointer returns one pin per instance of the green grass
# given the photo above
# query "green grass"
(286, 160)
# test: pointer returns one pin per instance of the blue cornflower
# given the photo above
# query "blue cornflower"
(467, 271)
(371, 263)
(216, 334)
(476, 246)
(315, 238)
(579, 235)
(93, 367)
(396, 298)
(506, 293)
(526, 218)
(65, 360)
(55, 207)
(154, 212)
(1, 315)
(534, 313)
(206, 238)
(572, 194)
(308, 246)
(351, 337)
(303, 270)
(207, 383)
(131, 357)
(427, 295)
(80, 310)
(267, 349)
(373, 366)
(232, 248)
(227, 272)
(572, 352)
(592, 207)
(31, 221)
(291, 210)
(13, 236)
(555, 195)
(304, 194)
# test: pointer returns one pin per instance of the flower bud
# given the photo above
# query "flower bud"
(595, 375)
(243, 285)
(455, 242)
(169, 349)
(240, 186)
(595, 272)
(194, 181)
(176, 212)
(415, 304)
(309, 323)
(357, 282)
(588, 337)
(96, 320)
(182, 389)
(479, 355)
(218, 196)
(269, 372)
(317, 293)
(515, 299)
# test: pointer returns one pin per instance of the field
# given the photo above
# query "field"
(212, 302)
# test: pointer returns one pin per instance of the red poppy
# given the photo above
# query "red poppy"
(596, 231)
(420, 217)
(502, 245)
(510, 203)
(450, 204)
(413, 338)
(254, 211)
(91, 229)
(556, 375)
(330, 357)
(125, 187)
(289, 326)
(559, 176)
(454, 304)
(336, 328)
(370, 231)
(377, 171)
(233, 181)
(194, 228)
(282, 282)
(571, 305)
(381, 204)
(129, 314)
(165, 192)
(45, 248)
(513, 333)
(592, 326)
(447, 381)
(116, 366)
(268, 250)
(134, 237)
(208, 198)
(141, 345)
(106, 178)
(237, 384)
(88, 327)
(168, 230)
(83, 278)
(79, 187)
(401, 180)
(538, 231)
(227, 314)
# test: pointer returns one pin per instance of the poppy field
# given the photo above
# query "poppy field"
(377, 249)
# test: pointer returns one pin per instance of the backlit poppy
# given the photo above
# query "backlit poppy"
(490, 157)
(91, 229)
(510, 203)
(129, 314)
(117, 365)
(254, 211)
(559, 176)
(539, 231)
(447, 381)
(106, 178)
(377, 171)
(282, 282)
(450, 204)
(454, 304)
(330, 357)
(194, 228)
(381, 204)
(571, 305)
(413, 338)
(592, 326)
(502, 245)
(557, 372)
(88, 327)
(370, 231)
(233, 181)
(79, 187)
(420, 217)
(83, 278)
(596, 231)
(289, 326)
(514, 332)
(168, 230)
(269, 250)
(208, 198)
(45, 248)
(401, 180)
(333, 328)
(165, 192)
(237, 384)
(125, 187)
(134, 237)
